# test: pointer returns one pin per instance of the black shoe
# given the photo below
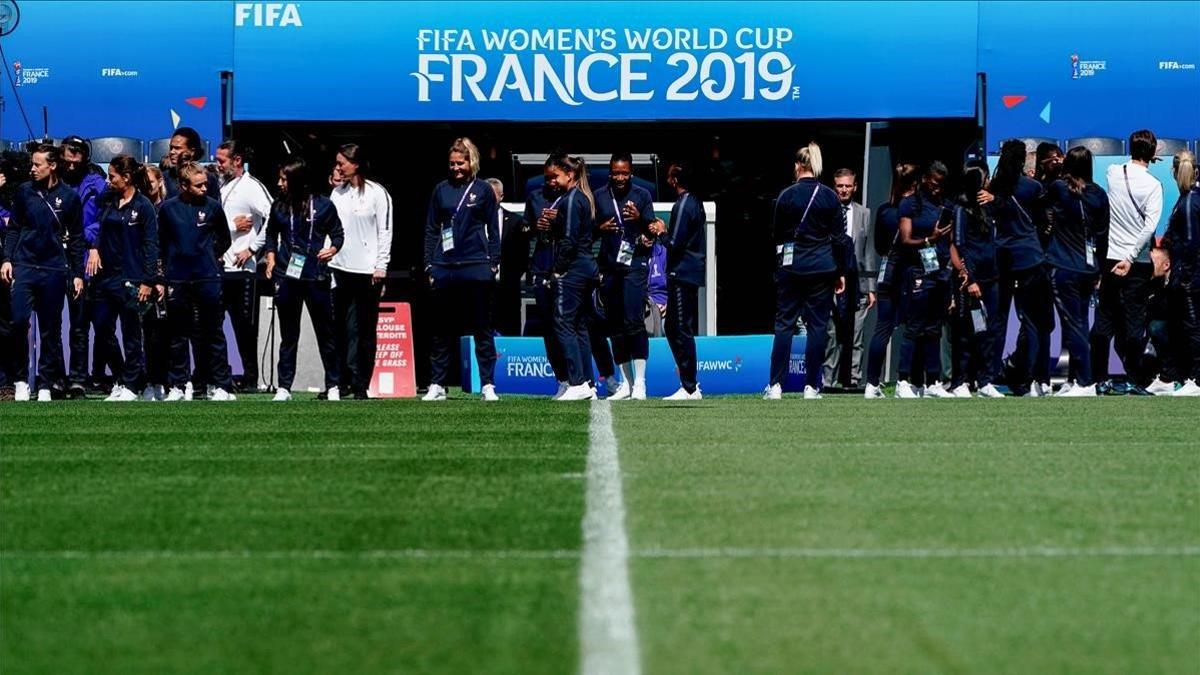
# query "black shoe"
(361, 396)
(8, 394)
(1136, 390)
(76, 391)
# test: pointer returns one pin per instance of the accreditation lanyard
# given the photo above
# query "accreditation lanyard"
(625, 254)
(296, 260)
(789, 248)
(448, 228)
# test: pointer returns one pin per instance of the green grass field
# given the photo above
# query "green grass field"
(1014, 536)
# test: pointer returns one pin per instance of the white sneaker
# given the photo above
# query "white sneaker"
(563, 386)
(773, 392)
(1160, 388)
(1035, 390)
(696, 395)
(990, 391)
(44, 395)
(188, 391)
(938, 390)
(489, 392)
(811, 394)
(579, 392)
(1080, 392)
(282, 394)
(639, 392)
(871, 391)
(333, 394)
(680, 395)
(1065, 389)
(1189, 388)
(436, 393)
(621, 391)
(219, 394)
(21, 391)
(121, 393)
(176, 394)
(961, 391)
(906, 390)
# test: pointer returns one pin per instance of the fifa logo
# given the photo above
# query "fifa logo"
(17, 72)
(1074, 66)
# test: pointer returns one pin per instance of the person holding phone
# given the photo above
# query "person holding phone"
(924, 235)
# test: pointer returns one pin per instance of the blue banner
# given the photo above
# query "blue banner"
(725, 364)
(1071, 70)
(118, 68)
(538, 61)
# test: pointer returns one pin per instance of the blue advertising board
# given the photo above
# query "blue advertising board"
(725, 364)
(1071, 70)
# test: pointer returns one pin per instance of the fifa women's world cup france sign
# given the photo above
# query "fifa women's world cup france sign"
(578, 65)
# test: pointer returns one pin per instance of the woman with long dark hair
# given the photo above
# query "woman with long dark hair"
(924, 238)
(1019, 216)
(360, 267)
(976, 291)
(462, 259)
(808, 216)
(303, 234)
(575, 271)
(892, 267)
(541, 205)
(1078, 213)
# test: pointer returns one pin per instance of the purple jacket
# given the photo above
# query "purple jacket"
(657, 274)
(89, 190)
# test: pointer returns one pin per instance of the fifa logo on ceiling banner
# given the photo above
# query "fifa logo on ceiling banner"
(267, 15)
(1081, 68)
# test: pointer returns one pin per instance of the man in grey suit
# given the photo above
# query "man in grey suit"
(844, 353)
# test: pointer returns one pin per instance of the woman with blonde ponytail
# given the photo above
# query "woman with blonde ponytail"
(1182, 241)
(812, 262)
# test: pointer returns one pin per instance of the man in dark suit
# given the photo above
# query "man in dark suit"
(514, 262)
(843, 355)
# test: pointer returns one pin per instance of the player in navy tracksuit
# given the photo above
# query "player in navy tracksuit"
(925, 229)
(975, 289)
(193, 237)
(462, 258)
(1023, 279)
(43, 254)
(539, 204)
(891, 272)
(1078, 214)
(303, 234)
(87, 180)
(686, 247)
(127, 251)
(812, 259)
(624, 212)
(1182, 240)
(575, 271)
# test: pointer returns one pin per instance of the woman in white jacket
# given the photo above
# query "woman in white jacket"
(359, 268)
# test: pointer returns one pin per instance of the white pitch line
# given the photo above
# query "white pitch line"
(608, 643)
(648, 553)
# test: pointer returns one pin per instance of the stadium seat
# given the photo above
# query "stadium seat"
(1032, 142)
(107, 147)
(1167, 147)
(1099, 145)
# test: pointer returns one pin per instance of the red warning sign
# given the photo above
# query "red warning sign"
(395, 373)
